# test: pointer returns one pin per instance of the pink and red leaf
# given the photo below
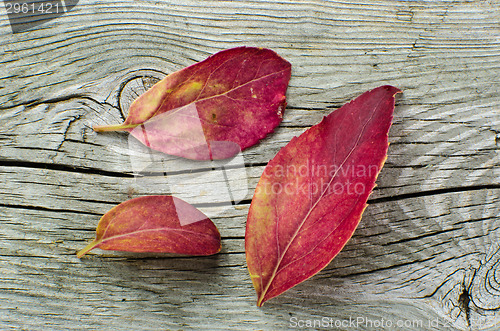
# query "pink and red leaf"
(312, 194)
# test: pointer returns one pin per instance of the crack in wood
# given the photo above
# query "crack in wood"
(431, 234)
(65, 168)
(37, 102)
(395, 266)
(47, 209)
(66, 129)
(434, 192)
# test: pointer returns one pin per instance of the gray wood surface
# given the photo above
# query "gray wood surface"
(426, 255)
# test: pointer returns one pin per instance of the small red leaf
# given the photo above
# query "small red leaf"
(312, 194)
(212, 109)
(158, 223)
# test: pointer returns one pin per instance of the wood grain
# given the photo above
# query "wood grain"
(426, 251)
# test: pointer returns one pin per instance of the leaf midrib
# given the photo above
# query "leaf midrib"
(280, 259)
(148, 230)
(216, 95)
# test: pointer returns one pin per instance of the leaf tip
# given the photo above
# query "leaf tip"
(260, 301)
(390, 87)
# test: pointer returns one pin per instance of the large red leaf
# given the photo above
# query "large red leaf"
(158, 223)
(212, 109)
(312, 194)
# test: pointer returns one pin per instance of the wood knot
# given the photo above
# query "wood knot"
(134, 85)
(470, 297)
(485, 289)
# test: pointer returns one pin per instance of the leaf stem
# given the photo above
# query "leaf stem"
(89, 247)
(115, 127)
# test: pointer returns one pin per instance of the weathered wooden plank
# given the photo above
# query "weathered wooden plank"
(397, 256)
(429, 146)
(333, 47)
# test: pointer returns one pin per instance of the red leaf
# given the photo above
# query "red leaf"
(311, 196)
(158, 223)
(212, 109)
